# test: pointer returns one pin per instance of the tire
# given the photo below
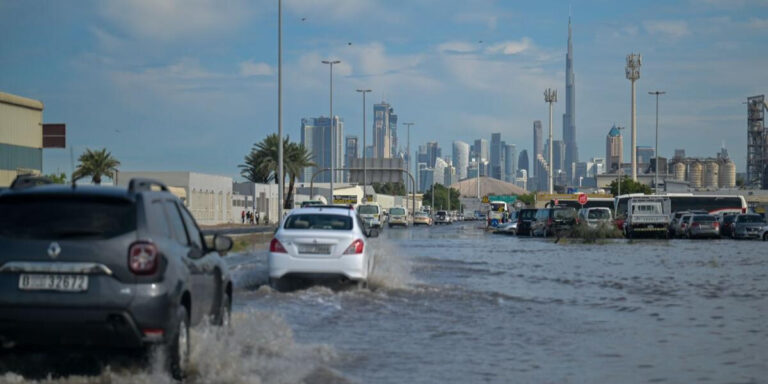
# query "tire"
(224, 314)
(177, 349)
(765, 236)
(279, 284)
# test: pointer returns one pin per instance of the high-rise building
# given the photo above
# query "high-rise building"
(383, 119)
(425, 177)
(522, 161)
(449, 175)
(558, 155)
(510, 163)
(613, 148)
(497, 152)
(350, 152)
(569, 118)
(481, 149)
(316, 137)
(439, 171)
(461, 158)
(542, 174)
(538, 146)
(433, 153)
(644, 155)
(679, 154)
(422, 156)
(394, 141)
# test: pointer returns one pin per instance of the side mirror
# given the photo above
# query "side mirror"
(222, 244)
(373, 232)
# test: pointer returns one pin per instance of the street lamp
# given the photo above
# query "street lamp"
(550, 96)
(333, 131)
(280, 171)
(408, 151)
(365, 175)
(656, 178)
(634, 61)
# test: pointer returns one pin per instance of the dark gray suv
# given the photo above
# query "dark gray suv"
(107, 267)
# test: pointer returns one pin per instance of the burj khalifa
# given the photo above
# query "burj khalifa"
(569, 117)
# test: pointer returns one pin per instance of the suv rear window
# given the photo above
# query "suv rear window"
(368, 210)
(45, 217)
(567, 213)
(397, 211)
(599, 214)
(750, 219)
(319, 221)
(704, 219)
(528, 213)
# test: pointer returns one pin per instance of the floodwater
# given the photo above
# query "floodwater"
(456, 304)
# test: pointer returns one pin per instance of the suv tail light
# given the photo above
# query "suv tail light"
(355, 248)
(142, 258)
(276, 247)
(716, 224)
(549, 221)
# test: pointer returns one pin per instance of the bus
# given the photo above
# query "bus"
(593, 202)
(714, 204)
(498, 213)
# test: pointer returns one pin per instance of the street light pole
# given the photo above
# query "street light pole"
(656, 177)
(280, 171)
(634, 61)
(408, 151)
(333, 130)
(550, 96)
(365, 175)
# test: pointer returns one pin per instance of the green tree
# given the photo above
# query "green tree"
(529, 199)
(629, 186)
(441, 197)
(96, 164)
(261, 163)
(395, 189)
(57, 178)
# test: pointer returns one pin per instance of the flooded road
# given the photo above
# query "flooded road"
(456, 304)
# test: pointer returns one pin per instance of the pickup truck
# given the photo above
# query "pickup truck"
(647, 215)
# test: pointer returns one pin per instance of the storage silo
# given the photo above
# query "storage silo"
(678, 170)
(694, 174)
(727, 174)
(711, 174)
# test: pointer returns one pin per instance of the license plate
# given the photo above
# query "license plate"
(64, 283)
(315, 249)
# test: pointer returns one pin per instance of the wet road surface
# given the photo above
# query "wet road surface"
(456, 304)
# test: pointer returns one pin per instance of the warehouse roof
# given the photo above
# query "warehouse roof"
(7, 98)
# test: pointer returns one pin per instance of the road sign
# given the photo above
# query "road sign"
(485, 199)
(583, 198)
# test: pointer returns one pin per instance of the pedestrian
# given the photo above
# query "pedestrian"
(242, 216)
(252, 217)
(258, 216)
(248, 216)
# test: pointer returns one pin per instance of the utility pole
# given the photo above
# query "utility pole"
(333, 130)
(280, 171)
(365, 174)
(656, 177)
(634, 62)
(550, 96)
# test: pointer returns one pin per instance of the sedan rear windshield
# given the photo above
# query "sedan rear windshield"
(704, 219)
(319, 221)
(397, 211)
(368, 210)
(76, 217)
(564, 213)
(599, 214)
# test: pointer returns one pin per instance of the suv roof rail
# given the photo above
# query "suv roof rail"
(140, 184)
(29, 181)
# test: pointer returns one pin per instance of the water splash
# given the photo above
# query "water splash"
(392, 269)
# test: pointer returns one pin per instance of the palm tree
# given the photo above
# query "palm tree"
(96, 164)
(261, 163)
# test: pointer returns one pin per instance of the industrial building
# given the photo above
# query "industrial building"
(21, 137)
(757, 143)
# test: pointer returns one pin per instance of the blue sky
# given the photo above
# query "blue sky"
(191, 85)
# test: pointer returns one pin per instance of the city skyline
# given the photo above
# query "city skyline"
(192, 82)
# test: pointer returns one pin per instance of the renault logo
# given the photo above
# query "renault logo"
(54, 250)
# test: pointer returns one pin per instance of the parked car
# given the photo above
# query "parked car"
(648, 215)
(372, 214)
(510, 227)
(321, 243)
(596, 216)
(525, 218)
(86, 266)
(726, 224)
(442, 217)
(421, 218)
(553, 221)
(678, 222)
(764, 233)
(398, 216)
(748, 226)
(702, 226)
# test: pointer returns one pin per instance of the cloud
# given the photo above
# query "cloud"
(490, 20)
(510, 47)
(674, 29)
(456, 47)
(251, 68)
(757, 23)
(168, 20)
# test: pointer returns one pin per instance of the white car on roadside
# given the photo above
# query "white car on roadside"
(321, 242)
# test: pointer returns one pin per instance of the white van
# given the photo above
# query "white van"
(371, 214)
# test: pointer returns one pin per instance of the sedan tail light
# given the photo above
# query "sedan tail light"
(716, 224)
(276, 247)
(142, 258)
(355, 248)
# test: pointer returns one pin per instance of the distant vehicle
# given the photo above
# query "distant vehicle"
(317, 243)
(648, 215)
(682, 224)
(371, 213)
(699, 226)
(747, 226)
(398, 216)
(764, 232)
(479, 215)
(593, 202)
(421, 218)
(712, 204)
(510, 227)
(595, 217)
(726, 224)
(553, 221)
(497, 214)
(525, 218)
(310, 203)
(108, 267)
(442, 217)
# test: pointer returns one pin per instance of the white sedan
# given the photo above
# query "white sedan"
(321, 242)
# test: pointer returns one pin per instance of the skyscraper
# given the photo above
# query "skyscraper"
(522, 161)
(538, 148)
(569, 118)
(384, 120)
(510, 163)
(497, 167)
(461, 158)
(316, 137)
(433, 153)
(481, 149)
(350, 152)
(613, 146)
